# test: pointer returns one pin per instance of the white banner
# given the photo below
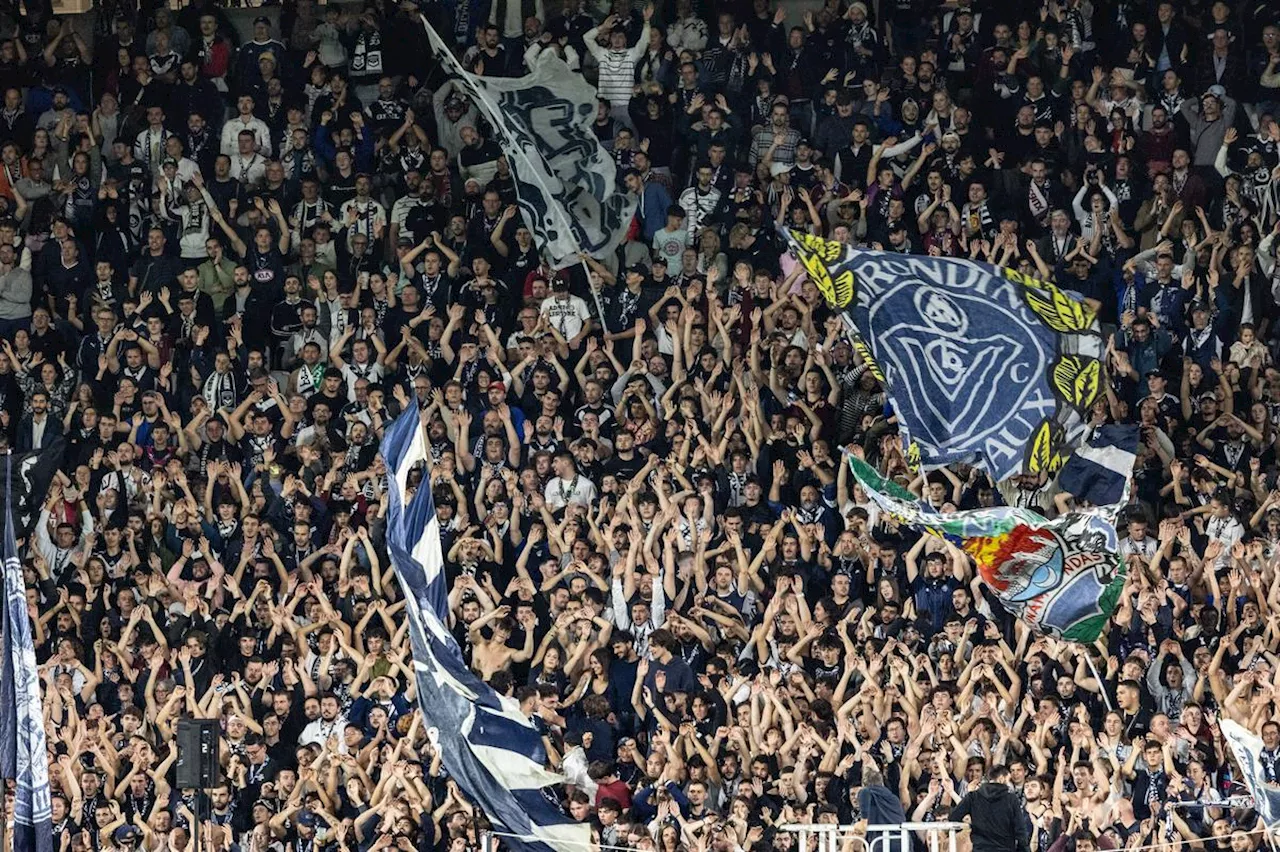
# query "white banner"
(565, 181)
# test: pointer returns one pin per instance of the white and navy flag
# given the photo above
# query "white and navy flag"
(23, 757)
(1099, 470)
(486, 744)
(566, 183)
(1247, 748)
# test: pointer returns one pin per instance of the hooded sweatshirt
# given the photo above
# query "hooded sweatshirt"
(996, 819)
(15, 294)
(881, 806)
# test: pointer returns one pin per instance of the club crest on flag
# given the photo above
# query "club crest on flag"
(566, 183)
(1053, 576)
(1062, 577)
(23, 750)
(983, 366)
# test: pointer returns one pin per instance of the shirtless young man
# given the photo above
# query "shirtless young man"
(489, 656)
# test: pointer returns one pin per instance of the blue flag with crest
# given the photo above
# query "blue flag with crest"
(984, 365)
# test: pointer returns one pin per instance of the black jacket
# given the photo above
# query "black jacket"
(996, 819)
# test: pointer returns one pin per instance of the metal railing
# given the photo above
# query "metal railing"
(827, 837)
(815, 837)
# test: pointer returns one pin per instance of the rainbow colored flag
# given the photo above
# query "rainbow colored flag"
(1061, 577)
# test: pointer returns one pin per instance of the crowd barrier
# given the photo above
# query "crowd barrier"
(827, 837)
(813, 837)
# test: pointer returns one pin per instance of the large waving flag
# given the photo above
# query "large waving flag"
(983, 365)
(22, 743)
(1061, 577)
(1099, 471)
(30, 475)
(566, 183)
(1247, 748)
(489, 747)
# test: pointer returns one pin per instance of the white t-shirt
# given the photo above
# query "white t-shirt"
(1226, 530)
(353, 372)
(561, 492)
(567, 315)
(319, 731)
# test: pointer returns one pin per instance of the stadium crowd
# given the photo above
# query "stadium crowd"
(228, 260)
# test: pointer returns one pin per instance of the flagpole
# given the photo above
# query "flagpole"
(595, 294)
(1102, 684)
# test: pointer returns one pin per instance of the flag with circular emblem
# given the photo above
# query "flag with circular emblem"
(983, 365)
(1062, 577)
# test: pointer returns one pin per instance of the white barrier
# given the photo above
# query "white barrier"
(830, 837)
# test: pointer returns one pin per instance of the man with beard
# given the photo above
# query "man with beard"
(1044, 195)
(412, 215)
(193, 95)
(776, 143)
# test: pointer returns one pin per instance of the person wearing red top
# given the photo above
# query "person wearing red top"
(214, 53)
(608, 784)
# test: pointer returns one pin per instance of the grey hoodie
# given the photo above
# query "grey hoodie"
(15, 294)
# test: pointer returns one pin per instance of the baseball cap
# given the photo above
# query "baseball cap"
(779, 169)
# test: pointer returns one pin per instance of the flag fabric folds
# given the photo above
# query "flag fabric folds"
(1247, 748)
(486, 744)
(566, 183)
(23, 756)
(983, 364)
(1062, 577)
(1099, 471)
(29, 477)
